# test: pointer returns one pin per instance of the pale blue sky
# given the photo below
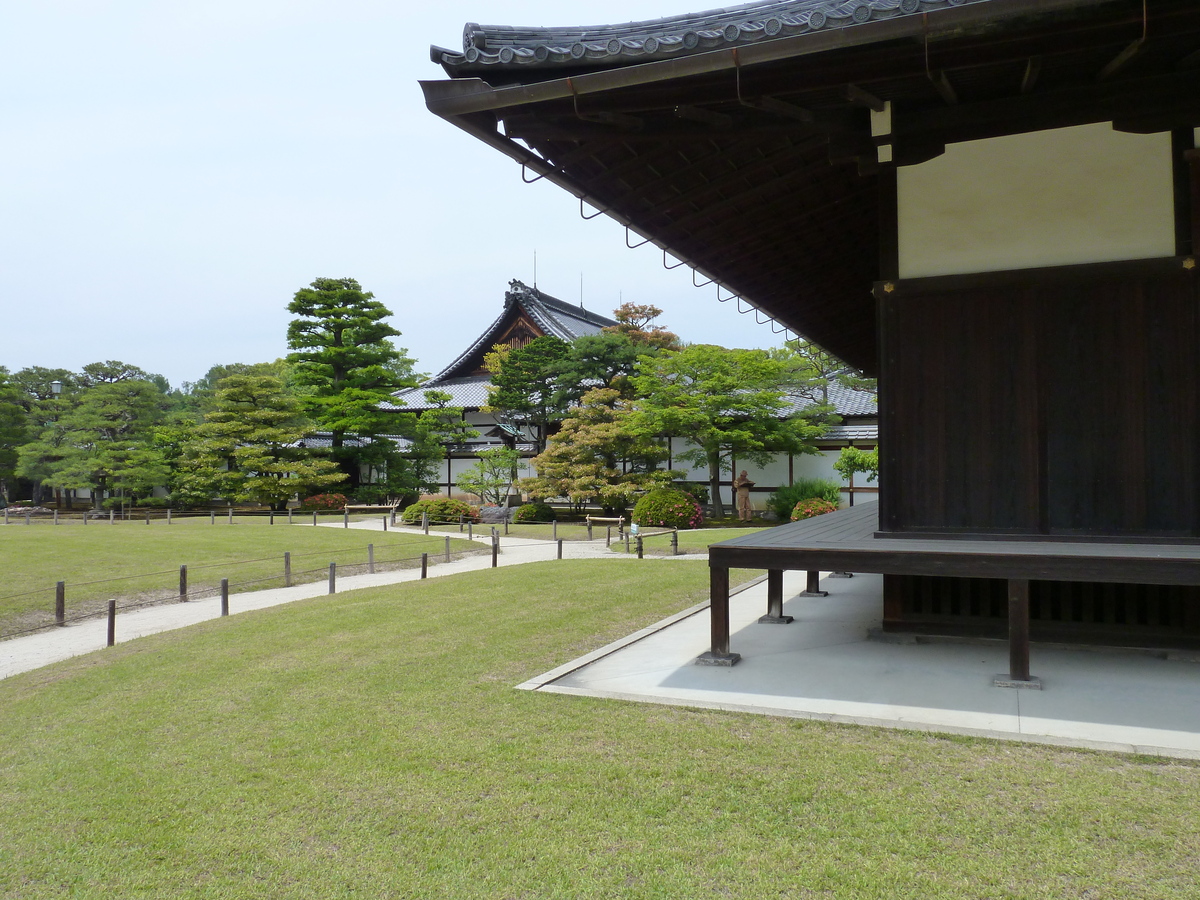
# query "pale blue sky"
(173, 172)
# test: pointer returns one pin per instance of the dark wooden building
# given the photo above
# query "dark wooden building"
(993, 205)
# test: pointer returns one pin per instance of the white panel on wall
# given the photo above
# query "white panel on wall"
(1067, 195)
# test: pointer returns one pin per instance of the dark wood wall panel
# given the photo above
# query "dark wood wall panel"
(1061, 402)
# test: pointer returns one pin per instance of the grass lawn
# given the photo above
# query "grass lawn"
(371, 745)
(33, 558)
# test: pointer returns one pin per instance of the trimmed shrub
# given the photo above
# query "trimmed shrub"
(668, 508)
(784, 500)
(324, 501)
(533, 512)
(441, 510)
(813, 506)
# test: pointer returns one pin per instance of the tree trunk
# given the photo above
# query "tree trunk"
(714, 486)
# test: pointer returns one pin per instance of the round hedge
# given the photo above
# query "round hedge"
(533, 512)
(442, 510)
(668, 508)
(813, 506)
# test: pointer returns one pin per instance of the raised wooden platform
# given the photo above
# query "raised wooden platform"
(1141, 594)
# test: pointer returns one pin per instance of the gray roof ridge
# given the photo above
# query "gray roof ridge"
(508, 47)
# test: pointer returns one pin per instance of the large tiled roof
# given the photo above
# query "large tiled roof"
(469, 392)
(504, 46)
(553, 316)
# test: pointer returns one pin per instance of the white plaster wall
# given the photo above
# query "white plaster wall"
(1058, 197)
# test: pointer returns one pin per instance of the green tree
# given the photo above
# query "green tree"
(525, 389)
(251, 447)
(854, 460)
(347, 367)
(634, 322)
(101, 437)
(491, 478)
(726, 403)
(14, 431)
(605, 360)
(598, 457)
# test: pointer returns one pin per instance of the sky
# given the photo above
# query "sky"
(174, 172)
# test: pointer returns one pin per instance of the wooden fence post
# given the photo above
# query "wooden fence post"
(314, 518)
(370, 559)
(345, 518)
(607, 536)
(447, 548)
(168, 515)
(111, 518)
(147, 517)
(289, 515)
(470, 531)
(675, 542)
(224, 596)
(495, 548)
(27, 517)
(271, 517)
(639, 546)
(287, 569)
(560, 548)
(56, 517)
(333, 578)
(554, 530)
(60, 603)
(424, 565)
(212, 517)
(112, 622)
(425, 522)
(183, 585)
(589, 528)
(231, 515)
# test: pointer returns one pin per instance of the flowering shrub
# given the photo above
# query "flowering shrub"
(813, 506)
(441, 510)
(324, 501)
(668, 508)
(533, 512)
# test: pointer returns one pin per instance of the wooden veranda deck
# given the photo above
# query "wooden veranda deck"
(848, 541)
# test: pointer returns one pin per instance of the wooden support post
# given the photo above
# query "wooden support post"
(718, 654)
(470, 531)
(224, 596)
(607, 536)
(639, 547)
(560, 548)
(425, 522)
(289, 516)
(85, 517)
(775, 614)
(627, 542)
(675, 542)
(424, 565)
(147, 517)
(112, 623)
(287, 569)
(495, 548)
(60, 603)
(212, 517)
(271, 517)
(56, 517)
(385, 524)
(506, 527)
(333, 578)
(460, 523)
(183, 585)
(813, 587)
(112, 520)
(447, 548)
(554, 530)
(345, 518)
(168, 515)
(1018, 639)
(589, 530)
(314, 518)
(370, 559)
(231, 515)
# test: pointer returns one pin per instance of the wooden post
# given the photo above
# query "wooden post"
(345, 518)
(60, 603)
(28, 516)
(314, 518)
(506, 526)
(495, 548)
(147, 517)
(56, 517)
(271, 517)
(287, 569)
(639, 545)
(813, 587)
(460, 523)
(224, 596)
(589, 529)
(168, 515)
(112, 520)
(775, 614)
(385, 518)
(560, 548)
(607, 536)
(1018, 638)
(554, 530)
(718, 654)
(183, 585)
(84, 517)
(333, 578)
(424, 565)
(289, 515)
(230, 515)
(112, 622)
(447, 548)
(212, 517)
(470, 531)
(425, 522)
(370, 559)
(627, 542)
